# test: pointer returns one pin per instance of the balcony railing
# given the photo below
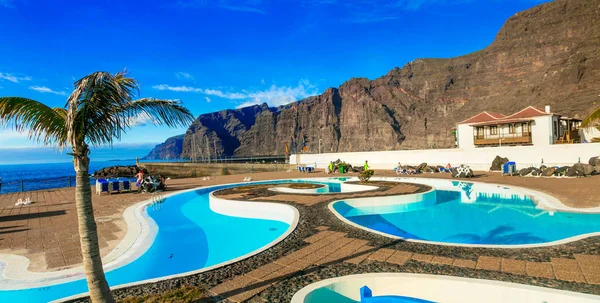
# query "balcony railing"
(502, 139)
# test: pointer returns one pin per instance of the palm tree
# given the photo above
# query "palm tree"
(100, 109)
(592, 121)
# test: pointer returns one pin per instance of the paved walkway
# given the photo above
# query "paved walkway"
(330, 247)
(46, 231)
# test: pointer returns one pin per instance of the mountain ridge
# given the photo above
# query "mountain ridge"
(547, 55)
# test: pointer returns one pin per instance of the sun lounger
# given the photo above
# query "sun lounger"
(102, 186)
(113, 185)
(124, 184)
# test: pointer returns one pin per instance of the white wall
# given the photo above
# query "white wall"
(465, 134)
(541, 131)
(477, 158)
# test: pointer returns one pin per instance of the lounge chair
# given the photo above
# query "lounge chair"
(113, 185)
(101, 186)
(124, 184)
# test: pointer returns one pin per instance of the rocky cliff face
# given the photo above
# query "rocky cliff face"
(548, 55)
(171, 149)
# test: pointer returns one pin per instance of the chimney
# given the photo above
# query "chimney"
(547, 108)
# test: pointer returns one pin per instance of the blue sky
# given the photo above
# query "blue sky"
(219, 54)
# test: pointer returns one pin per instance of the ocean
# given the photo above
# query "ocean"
(27, 177)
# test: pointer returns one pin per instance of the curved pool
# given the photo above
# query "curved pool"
(469, 214)
(193, 233)
(413, 288)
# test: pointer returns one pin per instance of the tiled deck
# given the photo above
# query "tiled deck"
(46, 232)
(330, 247)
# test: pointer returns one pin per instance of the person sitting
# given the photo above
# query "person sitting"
(399, 169)
(139, 178)
(448, 168)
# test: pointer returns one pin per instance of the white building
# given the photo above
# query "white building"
(529, 126)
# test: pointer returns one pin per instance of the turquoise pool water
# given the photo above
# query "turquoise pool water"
(190, 237)
(487, 219)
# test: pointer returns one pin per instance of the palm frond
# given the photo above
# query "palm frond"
(102, 108)
(592, 119)
(44, 124)
(158, 112)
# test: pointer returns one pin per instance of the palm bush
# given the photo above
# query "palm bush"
(365, 175)
(100, 109)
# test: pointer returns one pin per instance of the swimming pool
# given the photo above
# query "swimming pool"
(469, 214)
(327, 186)
(413, 288)
(194, 232)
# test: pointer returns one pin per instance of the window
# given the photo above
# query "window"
(512, 128)
(525, 127)
(555, 129)
(493, 130)
(480, 132)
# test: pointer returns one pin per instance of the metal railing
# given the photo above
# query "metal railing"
(251, 159)
(37, 184)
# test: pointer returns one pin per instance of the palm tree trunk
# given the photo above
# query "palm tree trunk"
(88, 233)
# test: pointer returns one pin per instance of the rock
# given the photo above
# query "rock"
(536, 172)
(573, 172)
(561, 171)
(596, 170)
(586, 169)
(549, 172)
(462, 171)
(412, 107)
(117, 171)
(497, 163)
(543, 167)
(422, 167)
(594, 161)
(526, 171)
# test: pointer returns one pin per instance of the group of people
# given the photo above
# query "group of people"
(148, 183)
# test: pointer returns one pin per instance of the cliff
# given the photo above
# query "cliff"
(547, 55)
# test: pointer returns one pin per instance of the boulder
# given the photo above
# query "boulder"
(594, 161)
(526, 171)
(422, 167)
(586, 169)
(543, 167)
(561, 171)
(462, 171)
(497, 163)
(596, 170)
(574, 172)
(549, 172)
(117, 171)
(536, 172)
(431, 169)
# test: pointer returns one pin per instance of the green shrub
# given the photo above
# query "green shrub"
(225, 171)
(365, 175)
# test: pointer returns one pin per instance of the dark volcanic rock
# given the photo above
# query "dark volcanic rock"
(547, 55)
(462, 171)
(549, 171)
(594, 161)
(171, 149)
(117, 171)
(497, 163)
(586, 169)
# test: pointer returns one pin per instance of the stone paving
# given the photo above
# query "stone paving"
(46, 232)
(329, 247)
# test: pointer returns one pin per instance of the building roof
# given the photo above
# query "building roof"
(524, 115)
(482, 117)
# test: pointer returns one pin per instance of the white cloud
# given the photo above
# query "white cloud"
(207, 99)
(43, 89)
(13, 78)
(184, 76)
(262, 81)
(177, 88)
(273, 96)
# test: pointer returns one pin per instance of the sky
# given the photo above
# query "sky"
(219, 54)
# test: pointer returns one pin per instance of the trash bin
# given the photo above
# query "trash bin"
(342, 169)
(509, 168)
